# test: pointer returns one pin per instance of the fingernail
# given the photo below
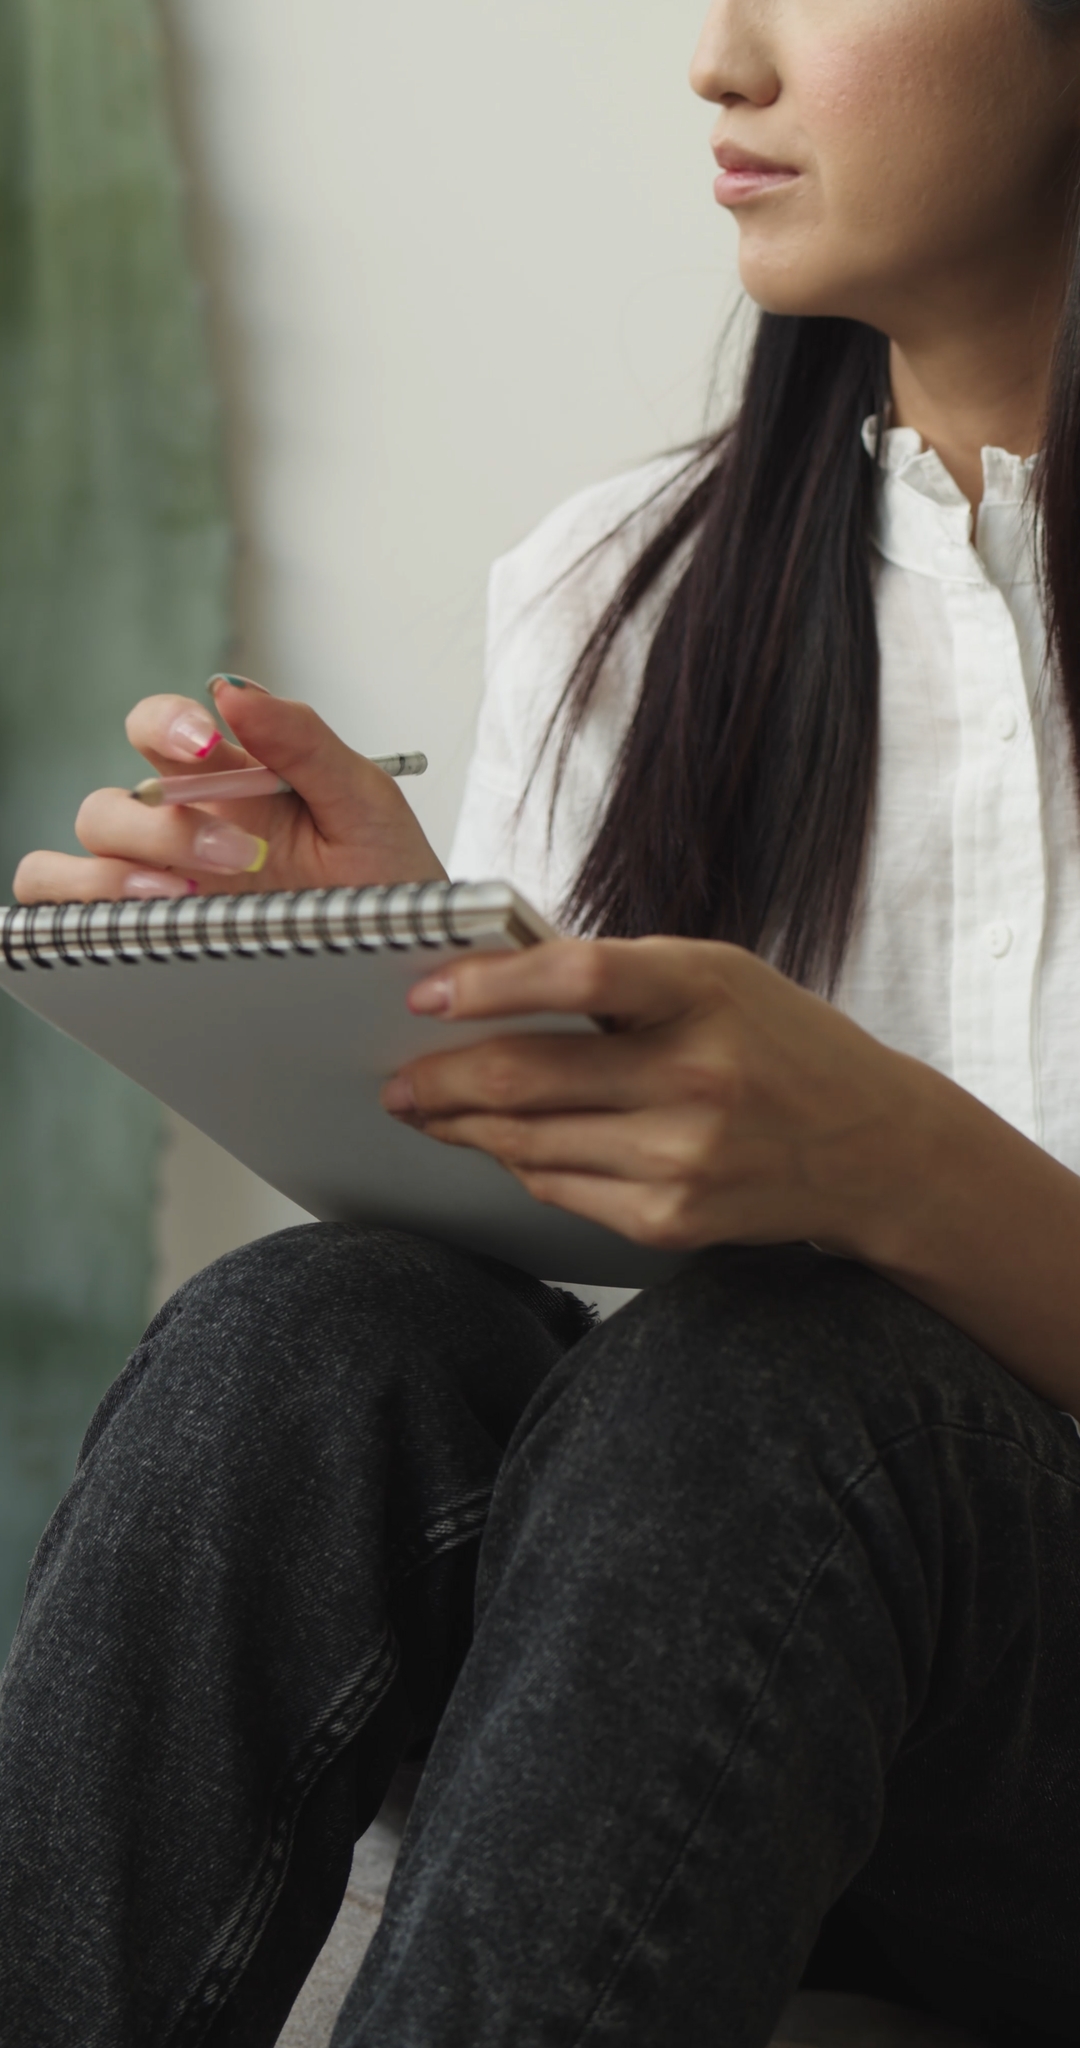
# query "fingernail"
(194, 734)
(399, 1096)
(238, 683)
(159, 884)
(429, 997)
(229, 849)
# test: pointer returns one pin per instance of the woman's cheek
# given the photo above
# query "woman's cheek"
(864, 109)
(897, 97)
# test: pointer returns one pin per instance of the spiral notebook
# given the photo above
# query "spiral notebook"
(271, 1021)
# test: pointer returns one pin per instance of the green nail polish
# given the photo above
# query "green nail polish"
(238, 683)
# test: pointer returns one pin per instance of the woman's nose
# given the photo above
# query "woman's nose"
(734, 60)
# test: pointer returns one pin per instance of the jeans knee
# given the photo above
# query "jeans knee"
(279, 1342)
(311, 1270)
(752, 1362)
(315, 1289)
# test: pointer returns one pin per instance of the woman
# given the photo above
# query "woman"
(775, 1614)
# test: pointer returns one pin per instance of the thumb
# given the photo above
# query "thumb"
(298, 745)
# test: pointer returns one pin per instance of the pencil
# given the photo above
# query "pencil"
(235, 783)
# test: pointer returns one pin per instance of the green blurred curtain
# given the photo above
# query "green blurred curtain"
(113, 561)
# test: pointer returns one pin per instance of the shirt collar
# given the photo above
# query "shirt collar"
(923, 521)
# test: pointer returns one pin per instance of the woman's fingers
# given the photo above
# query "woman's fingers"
(647, 1214)
(141, 851)
(661, 1145)
(348, 824)
(178, 735)
(673, 1178)
(359, 824)
(658, 1177)
(110, 823)
(631, 982)
(64, 878)
(298, 745)
(528, 1074)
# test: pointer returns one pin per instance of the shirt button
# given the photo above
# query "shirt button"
(1008, 724)
(999, 938)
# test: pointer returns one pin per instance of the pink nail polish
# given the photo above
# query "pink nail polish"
(429, 998)
(399, 1096)
(193, 735)
(228, 849)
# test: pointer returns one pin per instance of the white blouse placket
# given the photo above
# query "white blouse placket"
(999, 857)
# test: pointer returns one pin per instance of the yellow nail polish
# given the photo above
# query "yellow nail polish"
(257, 865)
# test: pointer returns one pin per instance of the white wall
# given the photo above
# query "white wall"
(463, 257)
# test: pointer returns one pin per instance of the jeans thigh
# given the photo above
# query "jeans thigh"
(697, 1440)
(973, 1889)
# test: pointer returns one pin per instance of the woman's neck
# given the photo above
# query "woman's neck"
(983, 385)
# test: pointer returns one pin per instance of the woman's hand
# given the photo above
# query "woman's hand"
(726, 1105)
(347, 823)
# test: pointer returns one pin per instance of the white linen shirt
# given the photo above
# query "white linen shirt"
(966, 952)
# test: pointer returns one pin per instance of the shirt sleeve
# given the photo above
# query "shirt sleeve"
(483, 843)
(544, 599)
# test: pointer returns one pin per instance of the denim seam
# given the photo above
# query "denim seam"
(452, 1528)
(814, 1573)
(352, 1706)
(966, 1429)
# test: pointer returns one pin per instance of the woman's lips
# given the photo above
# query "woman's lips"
(744, 176)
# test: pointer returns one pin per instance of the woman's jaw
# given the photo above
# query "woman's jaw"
(880, 156)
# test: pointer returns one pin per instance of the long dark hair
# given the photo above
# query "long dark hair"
(743, 795)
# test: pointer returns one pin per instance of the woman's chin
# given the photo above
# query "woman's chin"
(783, 282)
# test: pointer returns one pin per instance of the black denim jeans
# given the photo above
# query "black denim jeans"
(778, 1606)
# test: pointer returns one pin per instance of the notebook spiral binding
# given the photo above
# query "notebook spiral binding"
(403, 916)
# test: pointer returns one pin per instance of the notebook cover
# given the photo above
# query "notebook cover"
(277, 1050)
